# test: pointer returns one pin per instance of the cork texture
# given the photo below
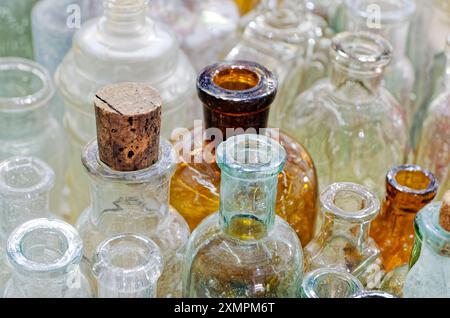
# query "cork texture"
(128, 117)
(444, 216)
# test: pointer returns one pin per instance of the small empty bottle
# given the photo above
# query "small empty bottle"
(127, 266)
(25, 184)
(430, 275)
(343, 240)
(330, 283)
(27, 127)
(245, 250)
(45, 256)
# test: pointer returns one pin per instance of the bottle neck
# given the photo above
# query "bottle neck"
(25, 184)
(136, 201)
(330, 283)
(125, 16)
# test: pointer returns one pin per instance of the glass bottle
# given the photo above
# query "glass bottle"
(237, 96)
(245, 250)
(15, 28)
(25, 183)
(121, 45)
(433, 150)
(352, 126)
(290, 41)
(330, 283)
(343, 241)
(132, 200)
(206, 29)
(27, 127)
(430, 276)
(54, 23)
(408, 189)
(393, 21)
(45, 256)
(127, 266)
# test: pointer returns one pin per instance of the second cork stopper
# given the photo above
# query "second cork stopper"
(128, 117)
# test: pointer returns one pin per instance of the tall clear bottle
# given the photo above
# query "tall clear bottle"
(26, 126)
(245, 250)
(393, 24)
(352, 126)
(25, 184)
(129, 170)
(121, 45)
(343, 240)
(290, 41)
(45, 256)
(433, 149)
(430, 276)
(127, 266)
(237, 98)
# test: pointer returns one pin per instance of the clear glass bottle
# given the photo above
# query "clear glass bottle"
(27, 127)
(330, 283)
(15, 28)
(430, 276)
(352, 126)
(45, 256)
(343, 241)
(25, 183)
(135, 202)
(237, 95)
(245, 250)
(121, 45)
(54, 23)
(290, 41)
(433, 150)
(408, 189)
(206, 29)
(127, 266)
(393, 24)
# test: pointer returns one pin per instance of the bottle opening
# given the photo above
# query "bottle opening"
(415, 180)
(128, 252)
(412, 179)
(236, 79)
(44, 246)
(328, 283)
(349, 201)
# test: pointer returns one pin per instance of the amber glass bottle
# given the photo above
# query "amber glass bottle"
(409, 188)
(236, 97)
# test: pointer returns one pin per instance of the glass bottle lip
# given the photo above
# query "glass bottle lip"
(265, 88)
(69, 259)
(373, 294)
(166, 164)
(362, 52)
(430, 229)
(371, 203)
(309, 284)
(393, 11)
(44, 175)
(431, 188)
(138, 276)
(251, 155)
(29, 101)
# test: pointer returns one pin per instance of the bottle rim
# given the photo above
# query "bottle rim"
(30, 101)
(432, 186)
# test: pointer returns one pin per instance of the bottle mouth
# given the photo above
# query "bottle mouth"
(412, 179)
(250, 154)
(25, 175)
(129, 261)
(364, 53)
(373, 294)
(330, 283)
(387, 11)
(350, 201)
(44, 246)
(25, 85)
(234, 82)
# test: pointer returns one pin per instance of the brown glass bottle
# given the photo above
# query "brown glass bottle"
(237, 95)
(409, 188)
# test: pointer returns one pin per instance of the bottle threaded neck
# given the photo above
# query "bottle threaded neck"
(125, 16)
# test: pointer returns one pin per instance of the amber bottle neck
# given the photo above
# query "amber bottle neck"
(236, 97)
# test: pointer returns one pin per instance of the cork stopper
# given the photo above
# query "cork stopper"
(444, 216)
(128, 117)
